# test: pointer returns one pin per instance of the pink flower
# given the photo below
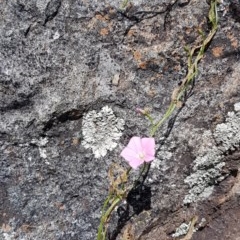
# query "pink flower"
(144, 111)
(140, 110)
(139, 151)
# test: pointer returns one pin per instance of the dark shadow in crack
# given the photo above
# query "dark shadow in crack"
(138, 200)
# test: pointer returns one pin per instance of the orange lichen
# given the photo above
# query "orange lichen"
(104, 31)
(233, 40)
(6, 228)
(103, 18)
(142, 65)
(217, 51)
(152, 93)
(137, 55)
(75, 141)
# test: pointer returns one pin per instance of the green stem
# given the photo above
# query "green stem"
(102, 229)
(168, 113)
(124, 4)
(148, 116)
(192, 67)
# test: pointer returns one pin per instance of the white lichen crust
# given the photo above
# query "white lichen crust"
(101, 131)
(181, 230)
(208, 165)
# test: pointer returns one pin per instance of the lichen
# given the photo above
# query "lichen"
(208, 165)
(237, 107)
(41, 143)
(101, 131)
(227, 135)
(181, 230)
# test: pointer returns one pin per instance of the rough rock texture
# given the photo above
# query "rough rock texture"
(61, 60)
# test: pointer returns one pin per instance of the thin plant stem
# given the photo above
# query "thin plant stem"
(192, 67)
(114, 199)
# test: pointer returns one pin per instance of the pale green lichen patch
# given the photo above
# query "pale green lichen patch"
(101, 131)
(227, 135)
(237, 107)
(181, 230)
(208, 165)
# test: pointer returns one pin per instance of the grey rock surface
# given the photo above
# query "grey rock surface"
(62, 63)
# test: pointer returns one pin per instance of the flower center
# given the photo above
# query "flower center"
(141, 155)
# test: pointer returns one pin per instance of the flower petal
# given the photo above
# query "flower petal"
(135, 144)
(136, 163)
(139, 151)
(129, 154)
(131, 157)
(148, 145)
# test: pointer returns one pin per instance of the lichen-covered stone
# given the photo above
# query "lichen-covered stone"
(208, 167)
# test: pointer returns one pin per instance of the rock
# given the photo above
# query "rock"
(70, 66)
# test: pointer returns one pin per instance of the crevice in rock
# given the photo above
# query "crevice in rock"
(73, 114)
(139, 16)
(52, 10)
